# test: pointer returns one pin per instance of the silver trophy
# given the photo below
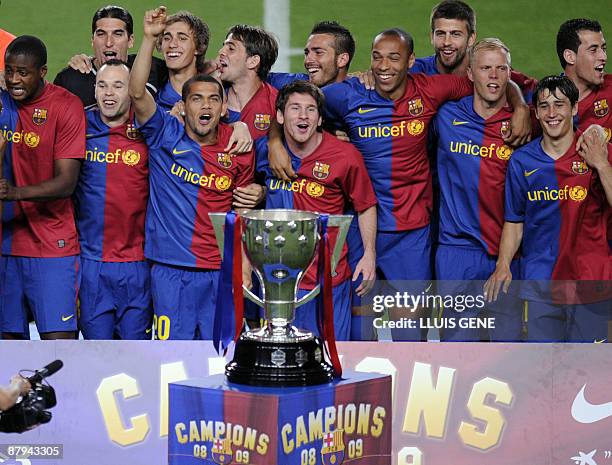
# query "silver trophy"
(281, 245)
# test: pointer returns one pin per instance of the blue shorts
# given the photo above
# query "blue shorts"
(404, 255)
(46, 286)
(305, 315)
(184, 301)
(548, 322)
(115, 300)
(454, 266)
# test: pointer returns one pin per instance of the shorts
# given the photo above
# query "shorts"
(404, 255)
(115, 300)
(306, 315)
(184, 301)
(46, 286)
(454, 266)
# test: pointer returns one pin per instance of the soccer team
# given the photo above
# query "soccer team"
(109, 174)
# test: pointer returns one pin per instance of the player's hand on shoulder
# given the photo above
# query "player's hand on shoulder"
(520, 127)
(592, 147)
(81, 63)
(240, 140)
(341, 135)
(155, 21)
(365, 77)
(280, 162)
(178, 111)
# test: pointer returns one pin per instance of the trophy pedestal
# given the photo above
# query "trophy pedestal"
(213, 421)
(268, 363)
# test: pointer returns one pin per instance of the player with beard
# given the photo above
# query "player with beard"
(40, 266)
(191, 174)
(111, 201)
(112, 35)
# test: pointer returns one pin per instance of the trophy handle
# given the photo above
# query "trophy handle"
(342, 222)
(308, 297)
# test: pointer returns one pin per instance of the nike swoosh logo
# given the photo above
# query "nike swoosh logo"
(585, 412)
(529, 173)
(66, 318)
(178, 152)
(459, 123)
(361, 111)
(599, 342)
(148, 330)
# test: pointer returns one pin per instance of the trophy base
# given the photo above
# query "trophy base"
(267, 363)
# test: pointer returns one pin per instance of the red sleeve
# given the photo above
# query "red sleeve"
(444, 87)
(356, 183)
(246, 169)
(70, 135)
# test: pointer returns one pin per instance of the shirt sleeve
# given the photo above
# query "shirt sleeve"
(70, 131)
(445, 87)
(357, 184)
(261, 157)
(246, 162)
(336, 102)
(160, 129)
(515, 192)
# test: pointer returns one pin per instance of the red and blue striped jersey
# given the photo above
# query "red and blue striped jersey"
(427, 65)
(392, 137)
(167, 97)
(472, 162)
(595, 108)
(112, 192)
(258, 113)
(280, 80)
(49, 128)
(564, 212)
(327, 180)
(8, 122)
(188, 181)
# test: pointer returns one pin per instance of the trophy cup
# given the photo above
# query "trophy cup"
(280, 245)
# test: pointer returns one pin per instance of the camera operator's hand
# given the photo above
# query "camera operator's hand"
(22, 384)
(9, 395)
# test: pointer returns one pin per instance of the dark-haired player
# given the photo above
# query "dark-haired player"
(191, 174)
(557, 205)
(330, 173)
(111, 201)
(40, 267)
(112, 35)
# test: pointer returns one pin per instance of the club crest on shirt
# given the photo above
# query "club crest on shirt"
(415, 106)
(314, 189)
(224, 159)
(600, 107)
(262, 121)
(130, 157)
(320, 170)
(580, 167)
(578, 193)
(503, 152)
(332, 452)
(505, 128)
(39, 116)
(223, 183)
(132, 133)
(416, 127)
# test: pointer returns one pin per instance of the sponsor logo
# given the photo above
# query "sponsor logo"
(529, 173)
(61, 243)
(224, 159)
(67, 318)
(314, 189)
(585, 412)
(39, 116)
(178, 152)
(505, 128)
(580, 167)
(332, 452)
(362, 111)
(415, 106)
(600, 108)
(31, 139)
(132, 133)
(130, 157)
(262, 121)
(320, 170)
(575, 193)
(503, 152)
(608, 133)
(223, 183)
(416, 127)
(584, 459)
(459, 123)
(599, 342)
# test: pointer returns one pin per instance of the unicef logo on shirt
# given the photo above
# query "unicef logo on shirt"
(130, 157)
(578, 193)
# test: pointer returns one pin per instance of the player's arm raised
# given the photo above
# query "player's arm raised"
(142, 101)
